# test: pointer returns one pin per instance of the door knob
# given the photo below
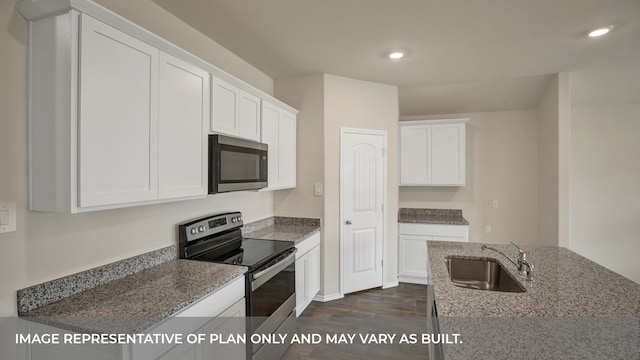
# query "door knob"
(348, 222)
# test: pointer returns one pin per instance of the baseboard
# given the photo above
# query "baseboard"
(390, 284)
(325, 298)
(413, 279)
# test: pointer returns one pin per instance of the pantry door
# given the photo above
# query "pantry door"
(363, 176)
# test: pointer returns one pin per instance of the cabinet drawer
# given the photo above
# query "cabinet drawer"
(441, 231)
(307, 244)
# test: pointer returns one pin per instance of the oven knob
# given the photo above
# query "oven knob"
(201, 229)
(194, 231)
(234, 220)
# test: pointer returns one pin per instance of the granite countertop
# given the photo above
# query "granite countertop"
(568, 311)
(431, 216)
(282, 228)
(136, 302)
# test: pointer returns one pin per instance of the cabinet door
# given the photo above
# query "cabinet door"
(249, 117)
(183, 115)
(224, 107)
(313, 273)
(279, 132)
(229, 322)
(414, 259)
(118, 120)
(414, 155)
(448, 154)
(287, 151)
(270, 136)
(182, 352)
(301, 283)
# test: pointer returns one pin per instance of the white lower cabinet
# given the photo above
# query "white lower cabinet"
(230, 322)
(307, 272)
(414, 264)
(181, 352)
(222, 312)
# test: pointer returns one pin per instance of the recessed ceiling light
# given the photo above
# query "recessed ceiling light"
(396, 55)
(600, 31)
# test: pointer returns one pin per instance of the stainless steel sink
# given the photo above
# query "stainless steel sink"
(481, 274)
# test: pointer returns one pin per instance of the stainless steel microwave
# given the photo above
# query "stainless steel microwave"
(236, 164)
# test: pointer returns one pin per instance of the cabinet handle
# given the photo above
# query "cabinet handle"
(348, 222)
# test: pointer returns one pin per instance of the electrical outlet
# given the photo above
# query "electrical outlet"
(487, 229)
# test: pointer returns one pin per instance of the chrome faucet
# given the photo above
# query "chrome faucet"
(522, 264)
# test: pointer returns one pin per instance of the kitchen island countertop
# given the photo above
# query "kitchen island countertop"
(574, 308)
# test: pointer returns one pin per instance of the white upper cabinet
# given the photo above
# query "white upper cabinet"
(448, 154)
(234, 112)
(183, 116)
(432, 153)
(279, 132)
(414, 154)
(118, 119)
(249, 116)
(139, 133)
(224, 107)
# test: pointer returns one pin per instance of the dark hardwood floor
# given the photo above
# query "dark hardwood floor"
(399, 310)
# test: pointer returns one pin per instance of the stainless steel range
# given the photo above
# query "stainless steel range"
(270, 282)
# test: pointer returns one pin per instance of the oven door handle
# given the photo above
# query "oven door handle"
(290, 259)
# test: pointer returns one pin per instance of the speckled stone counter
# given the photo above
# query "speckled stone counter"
(282, 228)
(575, 308)
(431, 216)
(58, 289)
(136, 302)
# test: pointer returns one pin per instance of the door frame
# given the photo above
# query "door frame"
(343, 132)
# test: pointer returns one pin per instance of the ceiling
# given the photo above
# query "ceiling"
(462, 55)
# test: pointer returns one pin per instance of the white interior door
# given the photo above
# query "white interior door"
(363, 174)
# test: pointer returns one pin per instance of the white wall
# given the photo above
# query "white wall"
(164, 24)
(605, 186)
(502, 165)
(548, 166)
(554, 155)
(367, 105)
(328, 103)
(305, 93)
(47, 245)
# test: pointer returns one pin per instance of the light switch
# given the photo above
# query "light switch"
(317, 189)
(495, 204)
(7, 217)
(4, 217)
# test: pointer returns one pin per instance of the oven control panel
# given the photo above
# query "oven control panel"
(211, 225)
